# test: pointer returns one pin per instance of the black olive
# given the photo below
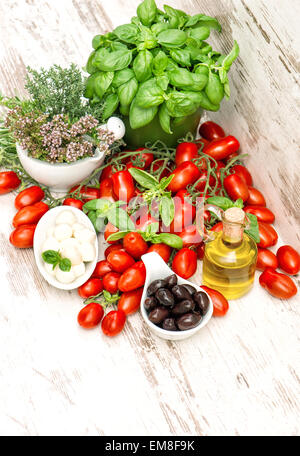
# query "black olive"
(165, 297)
(169, 324)
(171, 281)
(150, 303)
(202, 301)
(155, 285)
(180, 293)
(188, 321)
(189, 288)
(158, 315)
(183, 307)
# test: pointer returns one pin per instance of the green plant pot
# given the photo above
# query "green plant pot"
(153, 131)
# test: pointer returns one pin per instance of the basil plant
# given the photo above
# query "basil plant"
(161, 64)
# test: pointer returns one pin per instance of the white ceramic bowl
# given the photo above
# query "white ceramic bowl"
(40, 235)
(157, 269)
(59, 177)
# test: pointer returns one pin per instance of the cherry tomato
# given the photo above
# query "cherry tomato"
(29, 215)
(113, 323)
(243, 172)
(220, 303)
(86, 193)
(265, 259)
(22, 237)
(102, 267)
(236, 187)
(255, 198)
(107, 173)
(9, 181)
(185, 174)
(262, 213)
(133, 278)
(73, 203)
(217, 227)
(120, 261)
(90, 316)
(210, 131)
(185, 263)
(130, 301)
(288, 259)
(91, 287)
(106, 190)
(29, 196)
(162, 249)
(222, 148)
(110, 282)
(190, 236)
(278, 285)
(123, 185)
(184, 214)
(110, 229)
(113, 248)
(267, 234)
(135, 245)
(185, 151)
(200, 251)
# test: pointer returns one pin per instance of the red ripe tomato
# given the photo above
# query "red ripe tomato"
(210, 131)
(255, 198)
(157, 164)
(73, 203)
(86, 193)
(113, 323)
(243, 172)
(113, 248)
(184, 214)
(123, 185)
(145, 157)
(200, 251)
(217, 227)
(231, 157)
(130, 301)
(102, 267)
(190, 236)
(185, 263)
(133, 278)
(106, 190)
(262, 213)
(236, 187)
(265, 259)
(9, 181)
(162, 249)
(222, 148)
(201, 182)
(185, 174)
(120, 261)
(90, 316)
(220, 303)
(144, 221)
(110, 229)
(201, 143)
(22, 237)
(135, 245)
(278, 285)
(267, 234)
(29, 215)
(29, 196)
(107, 173)
(110, 282)
(288, 259)
(185, 151)
(91, 287)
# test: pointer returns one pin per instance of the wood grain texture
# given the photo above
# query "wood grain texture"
(240, 375)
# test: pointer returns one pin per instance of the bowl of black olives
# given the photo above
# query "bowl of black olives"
(172, 307)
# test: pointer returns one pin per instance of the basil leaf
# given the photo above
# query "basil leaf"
(116, 60)
(101, 205)
(89, 86)
(208, 21)
(163, 82)
(253, 231)
(149, 94)
(165, 181)
(122, 76)
(165, 119)
(65, 265)
(152, 228)
(206, 104)
(167, 210)
(102, 82)
(172, 38)
(90, 65)
(51, 256)
(120, 219)
(159, 27)
(183, 103)
(127, 92)
(181, 56)
(143, 178)
(110, 105)
(139, 117)
(184, 79)
(117, 236)
(127, 33)
(160, 63)
(230, 58)
(214, 89)
(221, 201)
(146, 12)
(142, 65)
(99, 223)
(172, 240)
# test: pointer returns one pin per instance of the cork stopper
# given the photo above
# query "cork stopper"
(233, 222)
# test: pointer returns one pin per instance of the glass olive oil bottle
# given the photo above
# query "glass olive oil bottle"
(230, 258)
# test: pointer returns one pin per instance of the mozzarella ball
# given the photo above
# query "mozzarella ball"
(85, 235)
(62, 232)
(50, 232)
(51, 244)
(66, 217)
(72, 253)
(79, 270)
(88, 251)
(49, 269)
(77, 227)
(116, 126)
(65, 276)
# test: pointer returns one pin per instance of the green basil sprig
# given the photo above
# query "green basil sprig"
(53, 257)
(101, 211)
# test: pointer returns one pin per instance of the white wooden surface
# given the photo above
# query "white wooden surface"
(240, 375)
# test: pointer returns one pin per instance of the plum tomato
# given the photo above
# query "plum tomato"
(123, 185)
(243, 172)
(279, 285)
(267, 234)
(86, 193)
(130, 301)
(22, 237)
(110, 229)
(220, 303)
(211, 131)
(30, 214)
(222, 148)
(185, 151)
(255, 198)
(92, 287)
(236, 187)
(133, 278)
(9, 181)
(185, 174)
(185, 263)
(120, 261)
(110, 282)
(90, 316)
(113, 248)
(73, 202)
(262, 213)
(162, 249)
(106, 190)
(135, 245)
(190, 236)
(29, 196)
(288, 259)
(102, 267)
(113, 323)
(265, 259)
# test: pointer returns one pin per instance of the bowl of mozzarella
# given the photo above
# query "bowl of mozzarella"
(70, 233)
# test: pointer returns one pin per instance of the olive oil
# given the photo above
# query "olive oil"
(230, 258)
